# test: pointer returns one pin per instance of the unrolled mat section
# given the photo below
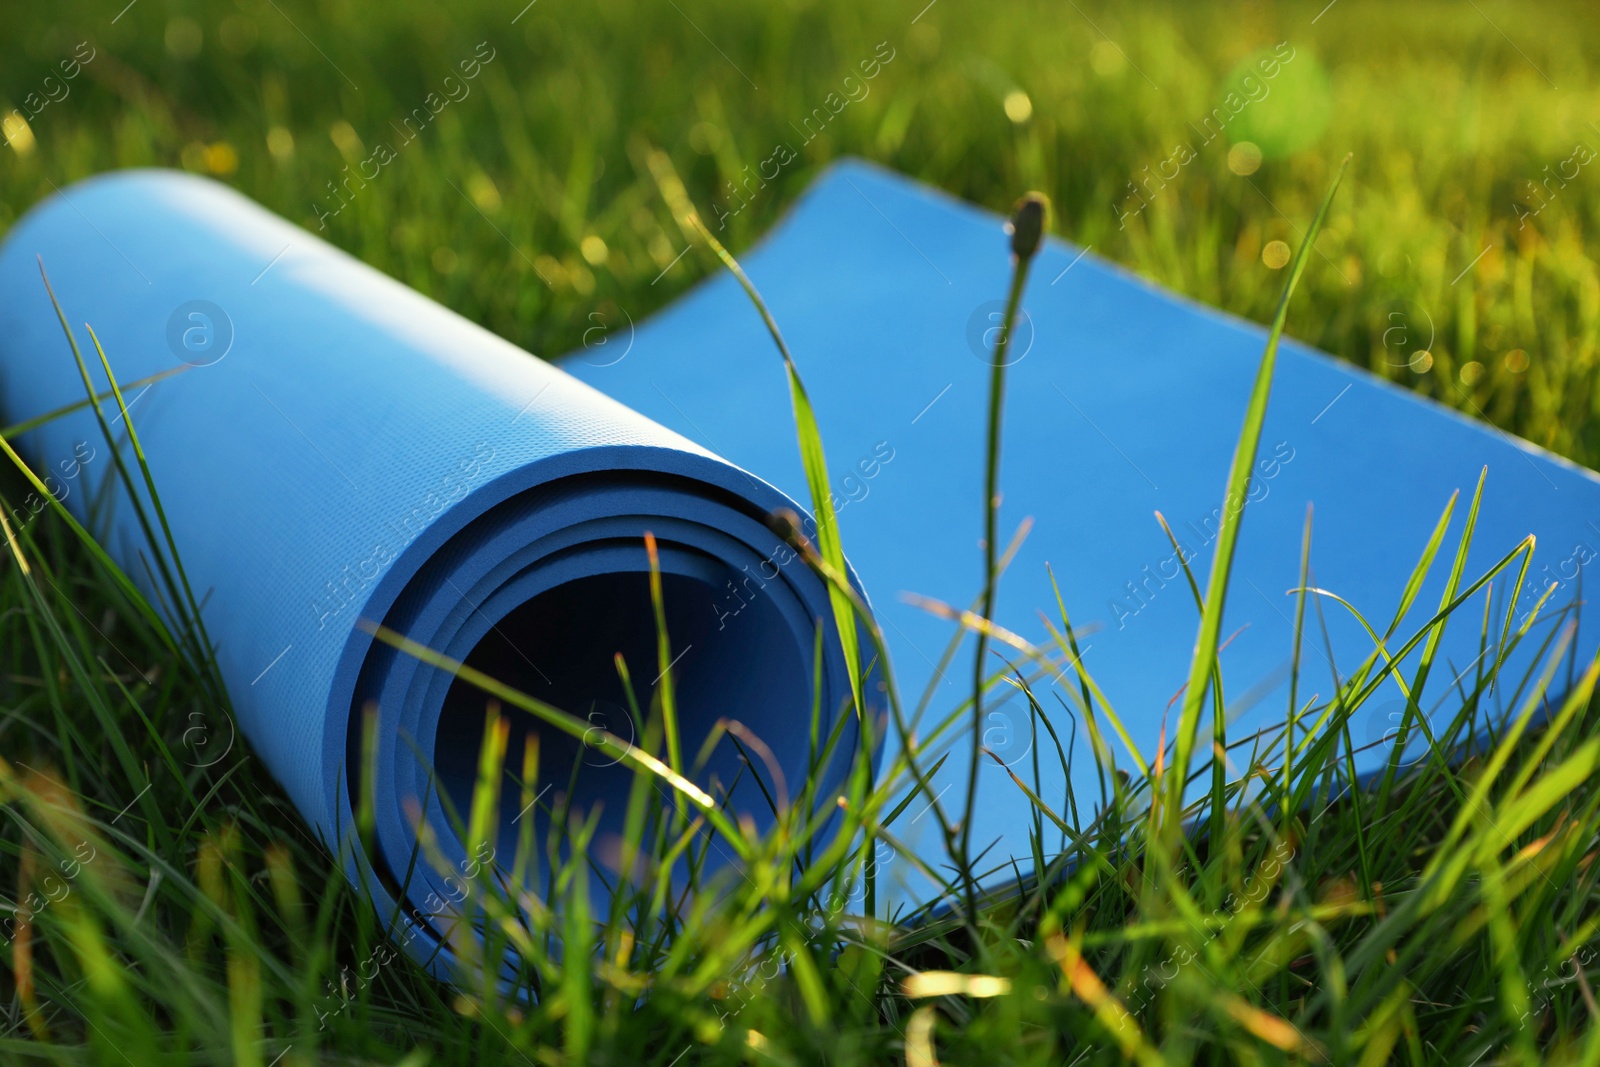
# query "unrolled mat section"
(334, 450)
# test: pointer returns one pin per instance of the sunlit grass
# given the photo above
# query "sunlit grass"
(168, 905)
(527, 203)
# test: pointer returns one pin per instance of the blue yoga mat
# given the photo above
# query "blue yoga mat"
(345, 448)
(340, 447)
(1122, 400)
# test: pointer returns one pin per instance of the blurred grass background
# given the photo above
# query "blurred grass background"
(1455, 261)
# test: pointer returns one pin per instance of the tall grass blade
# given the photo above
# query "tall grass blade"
(1203, 662)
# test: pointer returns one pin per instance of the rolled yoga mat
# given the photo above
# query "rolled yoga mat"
(340, 447)
(1122, 399)
(347, 399)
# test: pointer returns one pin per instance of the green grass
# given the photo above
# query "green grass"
(1448, 120)
(179, 911)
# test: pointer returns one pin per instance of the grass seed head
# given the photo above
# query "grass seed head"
(1027, 226)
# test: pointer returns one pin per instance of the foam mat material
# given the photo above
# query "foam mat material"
(340, 448)
(1123, 399)
(337, 448)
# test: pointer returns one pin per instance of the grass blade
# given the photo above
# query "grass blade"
(1244, 456)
